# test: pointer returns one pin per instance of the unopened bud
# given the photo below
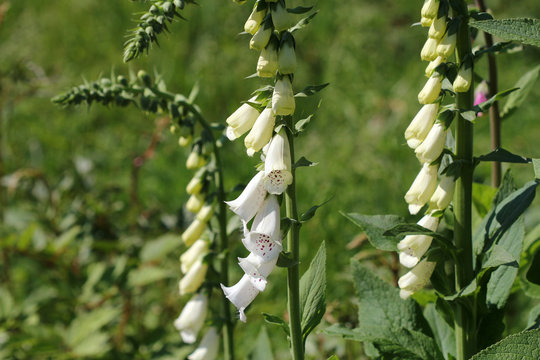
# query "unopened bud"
(262, 36)
(430, 9)
(429, 51)
(268, 60)
(280, 17)
(431, 90)
(438, 28)
(463, 80)
(447, 45)
(287, 58)
(184, 141)
(433, 65)
(255, 19)
(283, 97)
(144, 77)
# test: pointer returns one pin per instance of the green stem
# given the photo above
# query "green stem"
(464, 326)
(293, 272)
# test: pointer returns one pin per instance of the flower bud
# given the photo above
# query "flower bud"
(194, 186)
(194, 203)
(194, 278)
(191, 319)
(432, 146)
(283, 97)
(242, 120)
(413, 247)
(268, 60)
(280, 17)
(255, 19)
(261, 133)
(195, 161)
(447, 45)
(208, 348)
(262, 36)
(430, 92)
(205, 214)
(416, 279)
(426, 22)
(433, 65)
(429, 51)
(193, 232)
(422, 188)
(277, 165)
(443, 195)
(437, 28)
(195, 252)
(287, 58)
(421, 124)
(184, 141)
(463, 80)
(430, 9)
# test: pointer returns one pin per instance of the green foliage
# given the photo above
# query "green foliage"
(522, 346)
(524, 30)
(262, 350)
(525, 85)
(375, 226)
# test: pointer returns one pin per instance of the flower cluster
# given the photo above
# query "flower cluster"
(428, 134)
(268, 24)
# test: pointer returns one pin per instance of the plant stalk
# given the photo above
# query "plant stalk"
(463, 324)
(293, 272)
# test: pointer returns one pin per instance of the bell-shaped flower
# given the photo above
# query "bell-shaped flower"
(262, 36)
(429, 51)
(431, 90)
(241, 294)
(195, 252)
(257, 269)
(444, 193)
(422, 188)
(267, 64)
(413, 247)
(193, 232)
(283, 97)
(194, 186)
(432, 146)
(195, 161)
(421, 124)
(447, 45)
(253, 23)
(430, 9)
(280, 17)
(437, 28)
(277, 165)
(264, 239)
(287, 57)
(416, 279)
(251, 199)
(261, 133)
(194, 278)
(433, 65)
(205, 213)
(191, 319)
(208, 347)
(463, 80)
(195, 203)
(242, 120)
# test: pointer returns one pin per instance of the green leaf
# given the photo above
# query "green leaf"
(523, 30)
(157, 249)
(499, 256)
(303, 23)
(525, 85)
(536, 164)
(66, 238)
(521, 346)
(300, 9)
(502, 155)
(86, 325)
(311, 90)
(498, 47)
(529, 273)
(276, 320)
(534, 318)
(333, 357)
(92, 345)
(374, 226)
(285, 261)
(263, 347)
(404, 229)
(491, 327)
(311, 211)
(301, 124)
(313, 293)
(146, 275)
(483, 198)
(483, 107)
(303, 162)
(443, 332)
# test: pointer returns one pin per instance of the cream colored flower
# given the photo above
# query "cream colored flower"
(447, 45)
(429, 51)
(422, 188)
(430, 9)
(255, 19)
(194, 203)
(431, 90)
(442, 197)
(463, 80)
(194, 278)
(191, 319)
(208, 348)
(280, 17)
(261, 133)
(195, 252)
(242, 120)
(267, 64)
(432, 146)
(193, 232)
(287, 58)
(277, 165)
(413, 247)
(195, 161)
(416, 279)
(251, 199)
(437, 28)
(433, 65)
(283, 97)
(421, 125)
(262, 36)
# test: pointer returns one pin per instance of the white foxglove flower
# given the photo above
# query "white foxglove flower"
(191, 319)
(432, 146)
(267, 64)
(205, 213)
(413, 247)
(430, 9)
(463, 80)
(430, 92)
(194, 203)
(194, 186)
(280, 17)
(251, 199)
(444, 193)
(262, 36)
(277, 165)
(195, 252)
(255, 19)
(195, 161)
(422, 188)
(421, 124)
(437, 28)
(193, 232)
(264, 238)
(242, 120)
(416, 279)
(194, 278)
(283, 97)
(257, 269)
(287, 58)
(261, 133)
(447, 45)
(241, 294)
(433, 65)
(208, 347)
(429, 51)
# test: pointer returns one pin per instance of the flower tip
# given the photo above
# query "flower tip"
(414, 209)
(404, 294)
(188, 337)
(413, 143)
(250, 152)
(230, 133)
(408, 260)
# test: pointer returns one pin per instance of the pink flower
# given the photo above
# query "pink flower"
(480, 96)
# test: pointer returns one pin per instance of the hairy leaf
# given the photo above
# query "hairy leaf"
(525, 85)
(375, 226)
(524, 30)
(522, 346)
(313, 292)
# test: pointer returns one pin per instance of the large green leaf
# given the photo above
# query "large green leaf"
(263, 347)
(444, 333)
(159, 248)
(375, 226)
(524, 30)
(525, 85)
(84, 329)
(313, 292)
(522, 346)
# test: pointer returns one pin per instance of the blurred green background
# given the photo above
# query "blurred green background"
(89, 251)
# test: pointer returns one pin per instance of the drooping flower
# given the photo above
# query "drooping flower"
(480, 95)
(444, 193)
(432, 146)
(277, 165)
(430, 9)
(283, 97)
(256, 17)
(433, 65)
(264, 238)
(447, 45)
(194, 186)
(241, 294)
(413, 247)
(463, 80)
(261, 133)
(422, 188)
(194, 203)
(193, 232)
(191, 319)
(287, 56)
(205, 213)
(242, 120)
(251, 199)
(194, 253)
(421, 124)
(262, 36)
(194, 278)
(280, 17)
(431, 90)
(437, 28)
(429, 51)
(257, 269)
(416, 279)
(195, 161)
(267, 64)
(208, 347)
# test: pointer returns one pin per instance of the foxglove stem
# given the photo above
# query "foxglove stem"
(464, 323)
(293, 272)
